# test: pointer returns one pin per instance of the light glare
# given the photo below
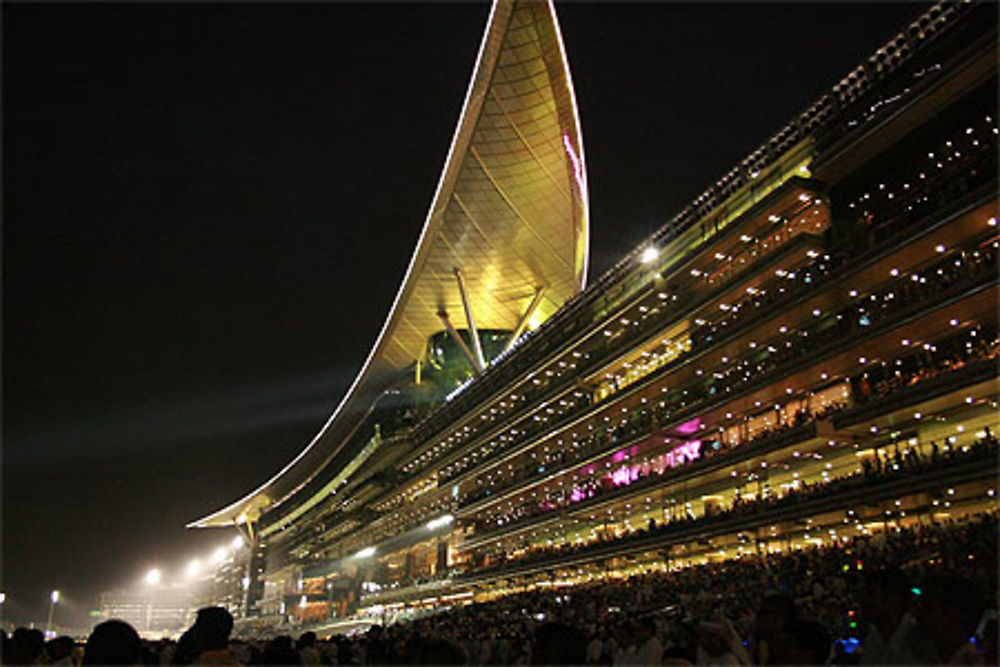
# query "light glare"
(439, 522)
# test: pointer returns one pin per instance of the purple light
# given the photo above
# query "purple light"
(620, 476)
(685, 453)
(626, 474)
(689, 427)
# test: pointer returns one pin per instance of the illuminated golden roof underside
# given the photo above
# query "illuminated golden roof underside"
(510, 212)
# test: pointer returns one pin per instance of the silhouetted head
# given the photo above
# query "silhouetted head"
(715, 637)
(948, 610)
(213, 625)
(775, 612)
(210, 632)
(884, 595)
(437, 652)
(279, 651)
(802, 643)
(306, 639)
(558, 644)
(26, 646)
(112, 643)
(645, 628)
(59, 648)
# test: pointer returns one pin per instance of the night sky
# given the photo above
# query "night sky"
(207, 211)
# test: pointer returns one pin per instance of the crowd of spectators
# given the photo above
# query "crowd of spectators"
(922, 180)
(925, 594)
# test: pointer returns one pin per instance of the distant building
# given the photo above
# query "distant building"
(152, 610)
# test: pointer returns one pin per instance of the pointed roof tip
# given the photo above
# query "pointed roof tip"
(511, 210)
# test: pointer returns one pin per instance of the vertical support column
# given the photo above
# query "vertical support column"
(442, 554)
(410, 565)
(477, 346)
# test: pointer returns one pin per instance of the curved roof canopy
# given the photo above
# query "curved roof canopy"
(510, 213)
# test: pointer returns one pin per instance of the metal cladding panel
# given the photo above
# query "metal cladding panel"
(510, 212)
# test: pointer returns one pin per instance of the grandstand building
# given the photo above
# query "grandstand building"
(805, 353)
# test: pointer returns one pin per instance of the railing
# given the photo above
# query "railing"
(924, 390)
(694, 397)
(928, 196)
(955, 281)
(710, 460)
(970, 356)
(858, 488)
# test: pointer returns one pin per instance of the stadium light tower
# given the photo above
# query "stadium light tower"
(53, 599)
(218, 556)
(152, 578)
